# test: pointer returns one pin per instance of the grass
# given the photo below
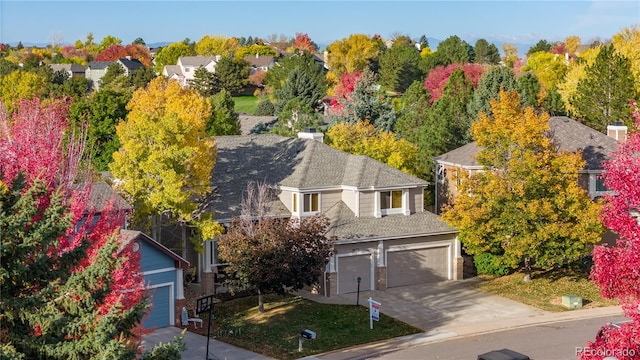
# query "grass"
(246, 103)
(546, 288)
(274, 333)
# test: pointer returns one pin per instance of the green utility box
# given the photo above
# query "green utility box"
(572, 301)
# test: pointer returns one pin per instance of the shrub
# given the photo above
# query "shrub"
(488, 264)
(265, 108)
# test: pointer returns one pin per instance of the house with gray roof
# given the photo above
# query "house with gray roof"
(70, 69)
(568, 134)
(384, 235)
(96, 70)
(260, 62)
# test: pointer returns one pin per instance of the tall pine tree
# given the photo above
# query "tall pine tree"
(603, 96)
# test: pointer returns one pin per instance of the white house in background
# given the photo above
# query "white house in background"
(186, 67)
(96, 70)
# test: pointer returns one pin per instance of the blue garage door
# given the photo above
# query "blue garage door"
(159, 314)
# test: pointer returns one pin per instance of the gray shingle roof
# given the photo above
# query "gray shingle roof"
(131, 64)
(345, 226)
(569, 134)
(247, 122)
(172, 69)
(260, 61)
(196, 60)
(96, 65)
(298, 163)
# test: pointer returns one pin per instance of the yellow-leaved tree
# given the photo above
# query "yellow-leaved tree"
(216, 45)
(526, 208)
(575, 73)
(20, 85)
(549, 68)
(353, 54)
(361, 138)
(627, 43)
(164, 165)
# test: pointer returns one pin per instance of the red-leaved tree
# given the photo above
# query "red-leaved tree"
(342, 91)
(38, 145)
(616, 269)
(303, 42)
(112, 53)
(438, 77)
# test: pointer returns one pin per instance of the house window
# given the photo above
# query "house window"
(391, 200)
(441, 173)
(600, 184)
(187, 69)
(295, 203)
(213, 252)
(311, 202)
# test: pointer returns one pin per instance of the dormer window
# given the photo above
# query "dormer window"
(309, 203)
(391, 199)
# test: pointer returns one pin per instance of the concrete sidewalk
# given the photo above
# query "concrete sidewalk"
(196, 346)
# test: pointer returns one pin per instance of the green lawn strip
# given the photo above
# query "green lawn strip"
(546, 289)
(274, 333)
(246, 103)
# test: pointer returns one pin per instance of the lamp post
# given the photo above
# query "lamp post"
(358, 296)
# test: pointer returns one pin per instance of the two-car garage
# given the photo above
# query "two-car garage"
(406, 264)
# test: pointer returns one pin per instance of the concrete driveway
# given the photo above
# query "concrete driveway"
(449, 306)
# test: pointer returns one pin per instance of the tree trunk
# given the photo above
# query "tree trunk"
(527, 270)
(260, 302)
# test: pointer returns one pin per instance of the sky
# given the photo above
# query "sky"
(513, 21)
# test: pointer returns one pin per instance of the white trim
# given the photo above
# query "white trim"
(158, 271)
(356, 253)
(357, 212)
(179, 285)
(172, 303)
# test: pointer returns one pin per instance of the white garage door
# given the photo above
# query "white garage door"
(417, 266)
(350, 267)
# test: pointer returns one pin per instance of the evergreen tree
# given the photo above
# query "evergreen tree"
(399, 67)
(495, 79)
(296, 116)
(541, 45)
(366, 102)
(232, 74)
(204, 82)
(424, 42)
(114, 72)
(416, 102)
(224, 119)
(454, 50)
(265, 108)
(602, 96)
(529, 88)
(276, 77)
(486, 53)
(307, 86)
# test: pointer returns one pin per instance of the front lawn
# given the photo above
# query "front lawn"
(546, 288)
(274, 333)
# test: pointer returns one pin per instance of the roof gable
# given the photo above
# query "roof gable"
(128, 236)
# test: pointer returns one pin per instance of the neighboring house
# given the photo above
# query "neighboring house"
(569, 135)
(162, 269)
(95, 72)
(97, 69)
(186, 67)
(72, 70)
(384, 235)
(262, 63)
(163, 272)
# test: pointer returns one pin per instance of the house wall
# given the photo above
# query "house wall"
(367, 203)
(329, 199)
(416, 200)
(349, 198)
(95, 75)
(286, 197)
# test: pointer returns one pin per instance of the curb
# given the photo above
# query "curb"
(437, 335)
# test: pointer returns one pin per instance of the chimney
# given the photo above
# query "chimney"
(310, 133)
(617, 131)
